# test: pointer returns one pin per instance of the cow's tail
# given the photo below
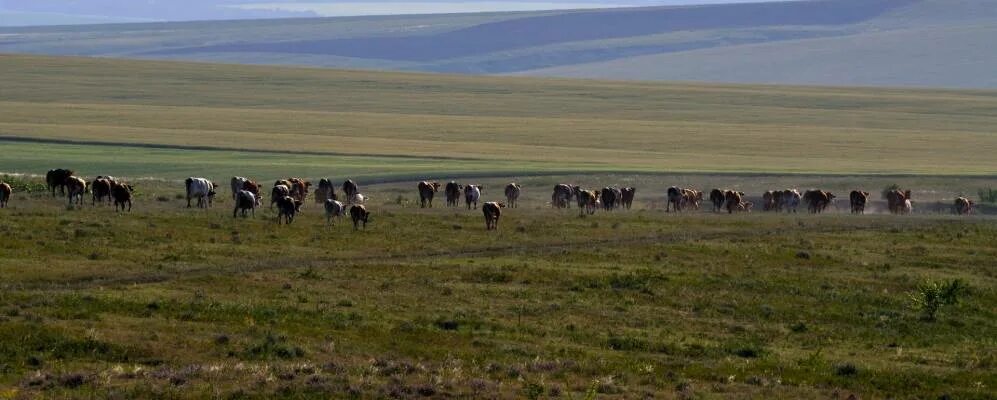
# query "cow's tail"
(188, 182)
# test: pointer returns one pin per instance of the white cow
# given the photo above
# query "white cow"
(471, 195)
(333, 208)
(201, 189)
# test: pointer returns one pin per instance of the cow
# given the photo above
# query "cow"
(333, 208)
(350, 188)
(254, 188)
(359, 213)
(512, 192)
(100, 189)
(287, 207)
(858, 200)
(76, 187)
(237, 184)
(907, 208)
(278, 192)
(691, 198)
(733, 200)
(627, 196)
(56, 178)
(817, 200)
(452, 192)
(5, 191)
(718, 199)
(745, 206)
(588, 201)
(769, 203)
(201, 189)
(610, 198)
(426, 192)
(326, 191)
(245, 201)
(561, 198)
(492, 211)
(896, 200)
(299, 188)
(358, 198)
(122, 194)
(673, 199)
(963, 206)
(472, 193)
(791, 199)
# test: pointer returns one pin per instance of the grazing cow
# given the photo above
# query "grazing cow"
(674, 199)
(691, 198)
(858, 200)
(452, 192)
(562, 196)
(5, 191)
(122, 194)
(588, 201)
(896, 200)
(245, 201)
(610, 198)
(287, 207)
(817, 200)
(100, 189)
(791, 199)
(299, 188)
(333, 208)
(963, 206)
(733, 200)
(201, 189)
(359, 213)
(512, 192)
(326, 191)
(718, 198)
(358, 198)
(278, 192)
(76, 187)
(350, 188)
(492, 211)
(56, 178)
(627, 196)
(426, 192)
(471, 195)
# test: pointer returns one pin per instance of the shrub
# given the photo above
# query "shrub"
(933, 295)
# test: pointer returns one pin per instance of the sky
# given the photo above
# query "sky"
(58, 12)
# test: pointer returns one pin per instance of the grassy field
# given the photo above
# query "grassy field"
(171, 302)
(637, 127)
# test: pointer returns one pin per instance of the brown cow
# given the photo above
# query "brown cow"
(512, 192)
(963, 206)
(100, 188)
(122, 194)
(627, 195)
(427, 190)
(254, 188)
(299, 188)
(718, 198)
(76, 187)
(896, 200)
(817, 200)
(492, 211)
(5, 191)
(452, 192)
(588, 201)
(56, 178)
(691, 198)
(858, 200)
(359, 213)
(733, 200)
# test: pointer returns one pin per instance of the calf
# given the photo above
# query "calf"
(201, 189)
(122, 194)
(56, 178)
(76, 187)
(5, 191)
(359, 213)
(512, 192)
(492, 211)
(627, 196)
(287, 207)
(333, 208)
(427, 190)
(452, 192)
(858, 200)
(471, 195)
(245, 201)
(963, 206)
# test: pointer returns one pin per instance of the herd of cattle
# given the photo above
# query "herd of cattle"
(289, 195)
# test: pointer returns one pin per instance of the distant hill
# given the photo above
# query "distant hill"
(837, 42)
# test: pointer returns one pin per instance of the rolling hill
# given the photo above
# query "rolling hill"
(836, 42)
